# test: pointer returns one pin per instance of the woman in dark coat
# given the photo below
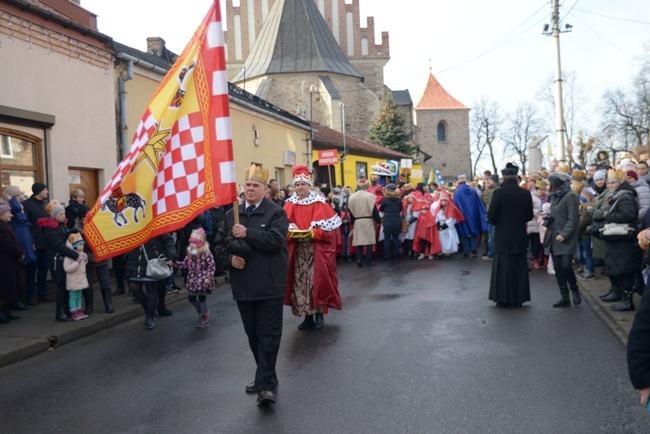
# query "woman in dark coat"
(55, 232)
(564, 228)
(11, 253)
(145, 289)
(622, 258)
(391, 206)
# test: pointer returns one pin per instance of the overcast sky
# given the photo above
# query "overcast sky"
(477, 47)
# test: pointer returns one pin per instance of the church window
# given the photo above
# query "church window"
(442, 132)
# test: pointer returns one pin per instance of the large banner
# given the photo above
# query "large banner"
(181, 159)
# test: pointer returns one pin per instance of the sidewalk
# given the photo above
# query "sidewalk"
(619, 322)
(36, 331)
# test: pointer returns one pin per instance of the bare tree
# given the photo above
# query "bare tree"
(484, 127)
(627, 114)
(520, 127)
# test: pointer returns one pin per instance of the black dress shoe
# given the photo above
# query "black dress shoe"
(250, 387)
(62, 317)
(265, 397)
(319, 323)
(17, 305)
(576, 298)
(165, 312)
(308, 323)
(563, 302)
(360, 264)
(119, 291)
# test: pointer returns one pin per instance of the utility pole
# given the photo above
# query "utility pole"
(560, 126)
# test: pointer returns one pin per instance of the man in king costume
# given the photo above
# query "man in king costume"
(312, 283)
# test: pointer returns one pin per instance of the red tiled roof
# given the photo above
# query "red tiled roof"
(324, 136)
(437, 98)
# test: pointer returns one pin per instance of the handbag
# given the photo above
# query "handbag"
(157, 268)
(405, 226)
(618, 232)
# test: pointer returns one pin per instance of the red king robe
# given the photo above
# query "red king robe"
(314, 213)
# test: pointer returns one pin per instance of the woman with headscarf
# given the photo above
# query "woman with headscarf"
(447, 215)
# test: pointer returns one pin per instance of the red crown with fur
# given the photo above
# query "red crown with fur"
(301, 174)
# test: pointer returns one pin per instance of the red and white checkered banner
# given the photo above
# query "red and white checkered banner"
(181, 160)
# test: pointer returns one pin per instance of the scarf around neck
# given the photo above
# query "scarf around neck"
(554, 198)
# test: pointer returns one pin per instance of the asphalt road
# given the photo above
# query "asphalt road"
(417, 348)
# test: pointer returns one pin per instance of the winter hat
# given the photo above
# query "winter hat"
(494, 178)
(82, 210)
(37, 187)
(391, 187)
(198, 237)
(337, 190)
(558, 178)
(75, 239)
(600, 174)
(632, 174)
(12, 190)
(510, 170)
(4, 209)
(53, 206)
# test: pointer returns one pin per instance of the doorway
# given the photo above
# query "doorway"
(87, 181)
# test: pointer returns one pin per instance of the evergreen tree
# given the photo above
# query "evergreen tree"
(389, 130)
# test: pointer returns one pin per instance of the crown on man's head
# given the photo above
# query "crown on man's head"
(615, 175)
(301, 174)
(578, 175)
(255, 173)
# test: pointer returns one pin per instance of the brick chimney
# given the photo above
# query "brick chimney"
(156, 46)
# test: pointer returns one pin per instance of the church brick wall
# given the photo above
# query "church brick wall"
(451, 157)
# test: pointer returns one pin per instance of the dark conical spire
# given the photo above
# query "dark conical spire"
(295, 38)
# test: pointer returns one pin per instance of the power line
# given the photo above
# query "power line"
(603, 38)
(612, 17)
(494, 45)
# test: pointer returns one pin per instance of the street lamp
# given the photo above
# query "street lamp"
(345, 149)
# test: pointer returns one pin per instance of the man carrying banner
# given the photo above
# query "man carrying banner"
(255, 251)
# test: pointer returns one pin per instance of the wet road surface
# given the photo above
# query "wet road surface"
(417, 348)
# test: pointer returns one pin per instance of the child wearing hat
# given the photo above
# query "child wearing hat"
(200, 277)
(76, 280)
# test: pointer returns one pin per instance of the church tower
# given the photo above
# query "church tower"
(296, 63)
(443, 131)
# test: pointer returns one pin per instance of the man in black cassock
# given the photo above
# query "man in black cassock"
(510, 209)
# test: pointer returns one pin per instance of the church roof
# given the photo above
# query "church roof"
(330, 138)
(437, 98)
(402, 98)
(295, 38)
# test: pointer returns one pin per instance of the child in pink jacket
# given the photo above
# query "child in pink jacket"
(76, 280)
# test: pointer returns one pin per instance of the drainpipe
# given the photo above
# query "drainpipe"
(124, 77)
